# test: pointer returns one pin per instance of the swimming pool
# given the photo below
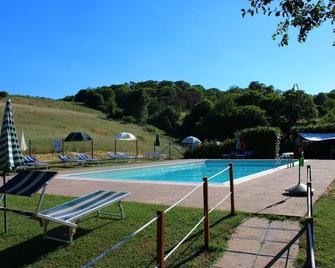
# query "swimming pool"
(189, 172)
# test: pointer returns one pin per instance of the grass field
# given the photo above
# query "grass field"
(24, 246)
(324, 231)
(44, 120)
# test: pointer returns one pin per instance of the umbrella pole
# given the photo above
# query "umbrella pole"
(63, 146)
(5, 205)
(136, 148)
(115, 146)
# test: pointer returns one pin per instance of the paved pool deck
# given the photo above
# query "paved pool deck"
(262, 195)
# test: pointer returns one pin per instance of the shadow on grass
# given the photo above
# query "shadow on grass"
(33, 249)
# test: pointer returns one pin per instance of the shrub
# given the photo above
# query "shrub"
(211, 150)
(128, 119)
(3, 94)
(263, 141)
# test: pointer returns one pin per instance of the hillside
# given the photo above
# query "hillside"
(44, 120)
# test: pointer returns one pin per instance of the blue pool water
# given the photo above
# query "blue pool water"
(185, 172)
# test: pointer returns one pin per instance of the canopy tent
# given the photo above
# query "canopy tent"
(10, 153)
(317, 136)
(78, 137)
(125, 136)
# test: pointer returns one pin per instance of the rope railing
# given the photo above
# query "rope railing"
(118, 244)
(219, 173)
(161, 259)
(159, 217)
(183, 198)
(183, 240)
(219, 203)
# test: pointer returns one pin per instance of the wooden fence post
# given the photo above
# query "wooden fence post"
(30, 148)
(160, 239)
(232, 198)
(206, 220)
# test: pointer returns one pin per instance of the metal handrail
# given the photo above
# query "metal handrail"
(309, 222)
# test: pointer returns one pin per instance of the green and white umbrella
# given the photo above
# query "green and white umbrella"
(10, 154)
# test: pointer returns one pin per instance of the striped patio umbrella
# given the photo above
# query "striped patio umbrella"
(10, 154)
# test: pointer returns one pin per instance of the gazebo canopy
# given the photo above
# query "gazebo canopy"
(124, 136)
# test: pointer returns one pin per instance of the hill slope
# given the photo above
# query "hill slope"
(44, 120)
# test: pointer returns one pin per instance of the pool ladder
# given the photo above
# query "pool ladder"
(289, 156)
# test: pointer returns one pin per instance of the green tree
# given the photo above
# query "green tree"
(167, 120)
(197, 113)
(94, 100)
(297, 106)
(137, 102)
(304, 15)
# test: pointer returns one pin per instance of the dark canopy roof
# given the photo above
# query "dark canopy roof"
(77, 136)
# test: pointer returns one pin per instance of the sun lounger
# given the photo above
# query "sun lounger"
(116, 156)
(70, 212)
(155, 155)
(32, 161)
(85, 157)
(26, 183)
(68, 159)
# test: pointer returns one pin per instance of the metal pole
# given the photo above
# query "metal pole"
(299, 172)
(115, 146)
(5, 206)
(232, 198)
(136, 148)
(92, 149)
(308, 253)
(170, 150)
(160, 239)
(30, 148)
(63, 146)
(206, 221)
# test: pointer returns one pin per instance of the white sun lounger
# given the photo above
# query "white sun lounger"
(69, 213)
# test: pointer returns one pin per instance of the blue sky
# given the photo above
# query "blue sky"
(55, 48)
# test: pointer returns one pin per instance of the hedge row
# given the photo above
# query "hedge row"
(263, 141)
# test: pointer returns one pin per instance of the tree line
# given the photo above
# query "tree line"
(180, 109)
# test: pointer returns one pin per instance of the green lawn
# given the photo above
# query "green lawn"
(24, 246)
(324, 231)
